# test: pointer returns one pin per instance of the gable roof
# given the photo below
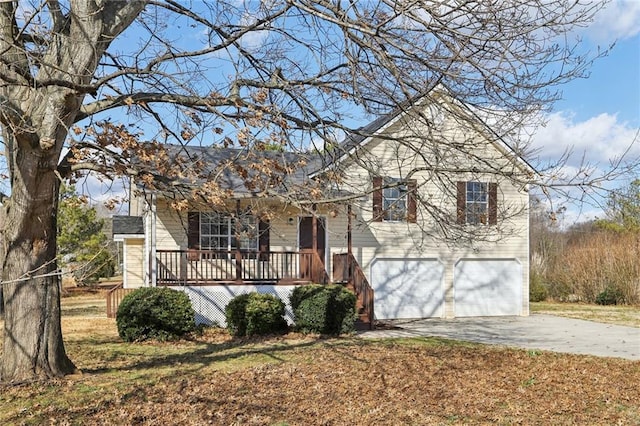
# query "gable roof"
(365, 134)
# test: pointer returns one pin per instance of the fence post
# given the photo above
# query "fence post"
(238, 265)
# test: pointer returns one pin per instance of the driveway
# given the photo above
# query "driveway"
(537, 331)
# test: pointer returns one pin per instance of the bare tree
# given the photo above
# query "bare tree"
(244, 74)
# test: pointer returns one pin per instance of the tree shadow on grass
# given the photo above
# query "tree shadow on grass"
(203, 354)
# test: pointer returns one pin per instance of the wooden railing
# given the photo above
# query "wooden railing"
(347, 270)
(207, 267)
(114, 297)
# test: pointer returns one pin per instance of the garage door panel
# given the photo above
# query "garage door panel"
(407, 288)
(487, 287)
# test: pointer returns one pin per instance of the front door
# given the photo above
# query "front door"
(305, 243)
(305, 232)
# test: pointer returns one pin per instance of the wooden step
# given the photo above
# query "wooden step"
(362, 325)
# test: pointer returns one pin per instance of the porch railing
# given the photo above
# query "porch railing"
(347, 270)
(203, 267)
(114, 297)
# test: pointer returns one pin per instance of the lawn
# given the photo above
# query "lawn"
(621, 315)
(298, 380)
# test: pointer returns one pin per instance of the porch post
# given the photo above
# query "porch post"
(314, 230)
(349, 228)
(238, 261)
(154, 258)
(314, 245)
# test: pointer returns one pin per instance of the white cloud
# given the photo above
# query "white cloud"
(594, 142)
(102, 192)
(599, 139)
(618, 20)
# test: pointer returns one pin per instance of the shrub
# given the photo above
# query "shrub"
(155, 313)
(255, 314)
(236, 315)
(610, 296)
(537, 289)
(324, 309)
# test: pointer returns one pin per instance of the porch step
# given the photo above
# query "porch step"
(362, 325)
(362, 322)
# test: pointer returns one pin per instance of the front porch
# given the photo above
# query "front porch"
(213, 277)
(218, 267)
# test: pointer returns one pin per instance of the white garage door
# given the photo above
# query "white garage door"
(487, 287)
(407, 288)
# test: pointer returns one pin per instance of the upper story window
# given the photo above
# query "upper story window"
(477, 203)
(477, 208)
(394, 199)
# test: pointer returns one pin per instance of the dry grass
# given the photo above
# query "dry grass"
(593, 262)
(612, 314)
(294, 381)
(297, 380)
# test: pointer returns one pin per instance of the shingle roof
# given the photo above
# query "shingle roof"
(127, 225)
(216, 158)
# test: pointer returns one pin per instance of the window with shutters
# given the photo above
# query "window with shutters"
(219, 231)
(477, 209)
(394, 199)
(477, 203)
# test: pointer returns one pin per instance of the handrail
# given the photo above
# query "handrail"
(347, 269)
(363, 289)
(114, 297)
(320, 275)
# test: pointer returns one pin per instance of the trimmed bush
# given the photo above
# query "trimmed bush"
(255, 314)
(158, 313)
(324, 309)
(236, 315)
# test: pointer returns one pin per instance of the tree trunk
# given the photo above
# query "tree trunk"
(35, 120)
(33, 346)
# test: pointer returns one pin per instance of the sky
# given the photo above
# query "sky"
(599, 117)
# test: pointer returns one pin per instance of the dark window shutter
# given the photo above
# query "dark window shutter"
(377, 199)
(412, 205)
(461, 208)
(493, 203)
(193, 230)
(263, 239)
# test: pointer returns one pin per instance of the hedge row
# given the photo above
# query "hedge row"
(161, 313)
(323, 309)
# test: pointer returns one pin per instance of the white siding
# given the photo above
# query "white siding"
(377, 240)
(133, 253)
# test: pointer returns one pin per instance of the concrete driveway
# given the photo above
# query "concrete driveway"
(537, 331)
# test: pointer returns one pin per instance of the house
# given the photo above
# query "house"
(421, 221)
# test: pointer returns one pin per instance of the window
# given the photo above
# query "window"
(477, 203)
(222, 232)
(477, 206)
(394, 200)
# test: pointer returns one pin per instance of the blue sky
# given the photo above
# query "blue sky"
(599, 117)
